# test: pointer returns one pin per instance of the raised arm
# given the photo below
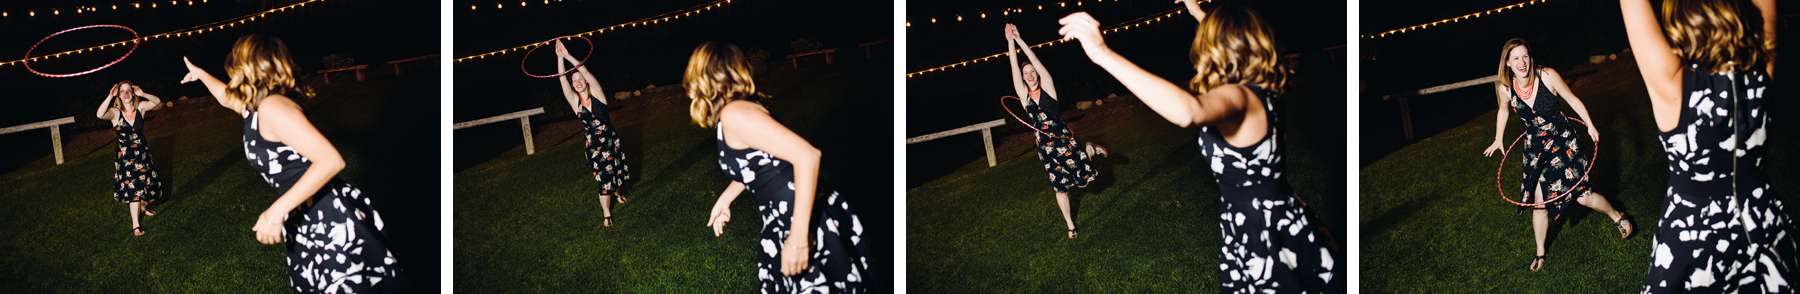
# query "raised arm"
(574, 99)
(1193, 8)
(749, 123)
(1500, 115)
(283, 121)
(1167, 99)
(593, 85)
(1767, 8)
(1656, 61)
(1044, 80)
(105, 112)
(213, 85)
(151, 102)
(1013, 59)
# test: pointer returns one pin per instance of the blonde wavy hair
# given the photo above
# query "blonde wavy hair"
(717, 73)
(1719, 35)
(1233, 45)
(259, 65)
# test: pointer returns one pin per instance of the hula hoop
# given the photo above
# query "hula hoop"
(134, 45)
(1584, 173)
(534, 48)
(1027, 125)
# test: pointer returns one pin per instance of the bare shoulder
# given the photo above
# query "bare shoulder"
(740, 110)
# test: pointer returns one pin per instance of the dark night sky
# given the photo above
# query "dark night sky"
(371, 31)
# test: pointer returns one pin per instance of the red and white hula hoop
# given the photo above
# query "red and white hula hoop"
(134, 45)
(1584, 173)
(584, 59)
(1027, 124)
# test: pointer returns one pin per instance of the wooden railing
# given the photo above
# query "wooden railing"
(826, 52)
(55, 126)
(987, 136)
(359, 72)
(1405, 114)
(867, 53)
(397, 63)
(524, 118)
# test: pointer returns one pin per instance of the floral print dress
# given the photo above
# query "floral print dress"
(134, 178)
(602, 147)
(1064, 159)
(1553, 158)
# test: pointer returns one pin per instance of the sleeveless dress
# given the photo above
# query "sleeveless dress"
(1722, 229)
(1553, 156)
(335, 245)
(1271, 242)
(134, 178)
(839, 262)
(1063, 158)
(602, 147)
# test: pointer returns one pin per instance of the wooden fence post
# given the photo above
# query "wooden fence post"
(525, 123)
(56, 142)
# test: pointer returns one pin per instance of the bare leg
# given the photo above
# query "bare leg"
(606, 205)
(1062, 200)
(1599, 203)
(134, 218)
(1540, 226)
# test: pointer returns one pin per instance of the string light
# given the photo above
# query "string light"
(1451, 20)
(1021, 9)
(1110, 29)
(189, 31)
(642, 21)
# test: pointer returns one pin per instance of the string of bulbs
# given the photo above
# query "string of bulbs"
(1452, 20)
(660, 18)
(1008, 11)
(96, 8)
(1130, 24)
(189, 31)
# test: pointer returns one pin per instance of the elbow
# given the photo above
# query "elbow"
(331, 166)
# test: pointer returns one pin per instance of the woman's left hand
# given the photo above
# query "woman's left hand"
(135, 90)
(1082, 27)
(795, 253)
(268, 227)
(1594, 133)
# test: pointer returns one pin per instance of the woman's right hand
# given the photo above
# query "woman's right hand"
(1082, 27)
(721, 213)
(1193, 7)
(194, 72)
(1012, 31)
(1491, 148)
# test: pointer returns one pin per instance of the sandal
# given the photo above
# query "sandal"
(1073, 233)
(149, 212)
(1097, 149)
(1624, 224)
(608, 221)
(619, 197)
(1537, 263)
(139, 231)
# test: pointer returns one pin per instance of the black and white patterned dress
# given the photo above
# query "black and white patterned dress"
(1064, 159)
(1271, 242)
(335, 245)
(1553, 159)
(602, 147)
(839, 262)
(1722, 229)
(134, 175)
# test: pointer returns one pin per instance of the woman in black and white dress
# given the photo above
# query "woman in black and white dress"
(334, 238)
(1723, 229)
(811, 238)
(1271, 241)
(135, 181)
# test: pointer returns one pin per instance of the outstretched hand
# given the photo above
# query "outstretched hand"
(560, 50)
(194, 72)
(1082, 27)
(1012, 32)
(721, 213)
(1491, 148)
(1193, 7)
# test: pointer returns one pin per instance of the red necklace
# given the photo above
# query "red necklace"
(1523, 90)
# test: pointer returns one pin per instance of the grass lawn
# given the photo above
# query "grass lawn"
(1150, 223)
(533, 223)
(1432, 221)
(63, 232)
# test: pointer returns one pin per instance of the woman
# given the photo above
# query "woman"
(1554, 166)
(1723, 228)
(134, 179)
(602, 149)
(1238, 109)
(805, 248)
(319, 215)
(1064, 158)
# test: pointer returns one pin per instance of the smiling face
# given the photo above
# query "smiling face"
(578, 83)
(1518, 60)
(1031, 76)
(127, 99)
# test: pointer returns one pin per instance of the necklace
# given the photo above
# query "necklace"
(1523, 90)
